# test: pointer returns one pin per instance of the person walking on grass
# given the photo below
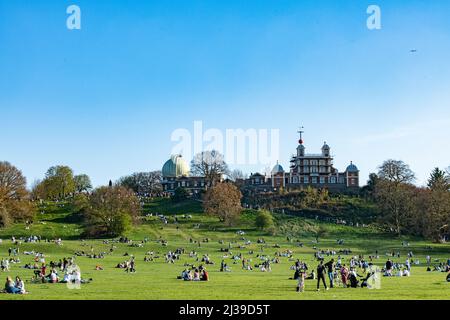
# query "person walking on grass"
(330, 269)
(321, 275)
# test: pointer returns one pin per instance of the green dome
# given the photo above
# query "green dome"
(175, 167)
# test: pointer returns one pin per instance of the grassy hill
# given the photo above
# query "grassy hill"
(157, 279)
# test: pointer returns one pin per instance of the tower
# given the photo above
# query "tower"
(325, 150)
(301, 147)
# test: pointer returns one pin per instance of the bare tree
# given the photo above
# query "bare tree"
(236, 174)
(396, 171)
(142, 183)
(209, 164)
(395, 195)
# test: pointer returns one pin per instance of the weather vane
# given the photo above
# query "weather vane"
(300, 131)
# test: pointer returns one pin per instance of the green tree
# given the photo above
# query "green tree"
(264, 220)
(59, 182)
(369, 189)
(438, 180)
(82, 183)
(111, 211)
(180, 194)
(80, 203)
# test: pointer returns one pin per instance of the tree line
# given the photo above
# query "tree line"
(401, 206)
(405, 208)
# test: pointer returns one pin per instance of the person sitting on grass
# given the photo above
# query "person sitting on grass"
(448, 276)
(204, 275)
(20, 285)
(10, 287)
(196, 275)
(53, 278)
(66, 278)
(187, 275)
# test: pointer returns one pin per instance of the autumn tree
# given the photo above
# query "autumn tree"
(111, 211)
(209, 164)
(223, 200)
(14, 197)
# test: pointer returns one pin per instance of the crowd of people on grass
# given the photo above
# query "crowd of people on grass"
(335, 268)
(336, 273)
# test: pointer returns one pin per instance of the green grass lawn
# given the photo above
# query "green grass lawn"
(157, 279)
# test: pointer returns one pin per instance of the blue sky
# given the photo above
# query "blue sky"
(105, 99)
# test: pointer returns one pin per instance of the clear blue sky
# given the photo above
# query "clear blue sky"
(105, 99)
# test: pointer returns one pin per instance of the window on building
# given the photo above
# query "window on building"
(333, 180)
(314, 180)
(305, 162)
(322, 180)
